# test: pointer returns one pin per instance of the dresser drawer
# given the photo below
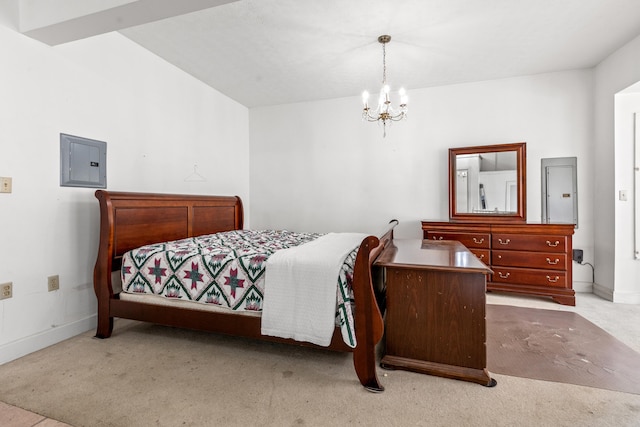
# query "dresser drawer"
(470, 240)
(532, 242)
(548, 261)
(483, 255)
(526, 276)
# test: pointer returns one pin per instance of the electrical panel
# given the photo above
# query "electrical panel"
(560, 190)
(83, 162)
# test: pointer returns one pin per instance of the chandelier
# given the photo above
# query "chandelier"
(384, 112)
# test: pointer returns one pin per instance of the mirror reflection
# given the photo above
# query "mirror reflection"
(487, 183)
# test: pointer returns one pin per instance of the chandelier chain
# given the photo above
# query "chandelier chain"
(384, 63)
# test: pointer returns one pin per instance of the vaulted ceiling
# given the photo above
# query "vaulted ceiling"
(267, 52)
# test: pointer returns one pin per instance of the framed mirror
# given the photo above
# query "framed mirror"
(488, 183)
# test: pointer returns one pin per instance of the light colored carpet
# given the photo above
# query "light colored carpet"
(147, 375)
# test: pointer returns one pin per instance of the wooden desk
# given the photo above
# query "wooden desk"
(435, 318)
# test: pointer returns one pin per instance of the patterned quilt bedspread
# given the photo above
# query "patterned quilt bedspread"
(225, 269)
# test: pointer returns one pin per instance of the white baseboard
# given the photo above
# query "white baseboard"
(616, 296)
(626, 297)
(24, 346)
(603, 292)
(584, 287)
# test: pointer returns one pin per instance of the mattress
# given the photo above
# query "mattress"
(224, 270)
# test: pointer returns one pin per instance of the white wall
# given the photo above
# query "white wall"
(627, 283)
(158, 123)
(317, 166)
(617, 273)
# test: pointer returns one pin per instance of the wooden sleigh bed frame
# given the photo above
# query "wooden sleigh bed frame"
(131, 220)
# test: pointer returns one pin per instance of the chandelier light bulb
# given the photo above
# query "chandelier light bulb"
(365, 98)
(404, 99)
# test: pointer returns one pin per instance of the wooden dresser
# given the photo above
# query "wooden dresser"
(526, 258)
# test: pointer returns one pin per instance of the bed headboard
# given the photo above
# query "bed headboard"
(130, 220)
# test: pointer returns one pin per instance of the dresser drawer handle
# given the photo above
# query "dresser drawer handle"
(437, 238)
(553, 280)
(481, 256)
(553, 262)
(506, 242)
(553, 245)
(475, 240)
(504, 276)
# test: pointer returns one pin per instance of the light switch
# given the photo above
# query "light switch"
(622, 195)
(5, 185)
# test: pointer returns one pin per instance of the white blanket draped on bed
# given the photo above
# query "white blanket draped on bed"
(300, 288)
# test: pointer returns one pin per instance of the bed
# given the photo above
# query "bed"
(132, 220)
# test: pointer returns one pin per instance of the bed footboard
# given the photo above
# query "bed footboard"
(368, 317)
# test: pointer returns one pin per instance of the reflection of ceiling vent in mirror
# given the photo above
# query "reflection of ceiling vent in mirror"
(83, 162)
(560, 190)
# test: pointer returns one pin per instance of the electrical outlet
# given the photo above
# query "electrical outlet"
(6, 290)
(53, 283)
(578, 255)
(5, 185)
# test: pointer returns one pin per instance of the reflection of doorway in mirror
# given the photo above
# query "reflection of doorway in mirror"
(467, 196)
(511, 196)
(462, 193)
(497, 199)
